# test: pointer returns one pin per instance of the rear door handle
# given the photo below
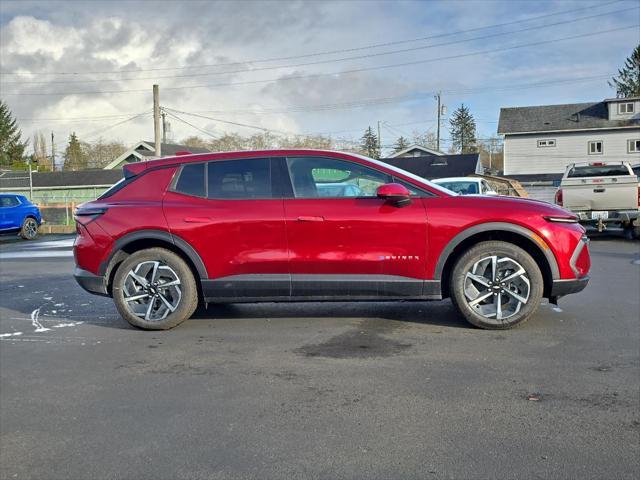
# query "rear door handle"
(305, 218)
(197, 219)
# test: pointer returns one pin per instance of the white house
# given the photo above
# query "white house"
(545, 139)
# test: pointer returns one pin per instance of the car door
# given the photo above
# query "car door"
(9, 212)
(230, 212)
(344, 242)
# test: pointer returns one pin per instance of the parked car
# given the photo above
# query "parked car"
(254, 226)
(466, 185)
(602, 193)
(17, 214)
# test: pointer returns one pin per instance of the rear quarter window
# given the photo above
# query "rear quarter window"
(191, 180)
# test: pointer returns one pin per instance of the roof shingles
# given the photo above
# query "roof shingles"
(553, 118)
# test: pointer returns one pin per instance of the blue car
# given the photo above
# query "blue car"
(17, 214)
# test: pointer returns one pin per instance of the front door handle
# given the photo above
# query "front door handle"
(306, 218)
(197, 219)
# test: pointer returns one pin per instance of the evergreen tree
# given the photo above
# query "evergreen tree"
(400, 144)
(11, 146)
(74, 157)
(369, 144)
(463, 130)
(627, 83)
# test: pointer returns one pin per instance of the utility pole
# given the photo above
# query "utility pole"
(30, 182)
(437, 97)
(379, 140)
(164, 126)
(156, 119)
(53, 154)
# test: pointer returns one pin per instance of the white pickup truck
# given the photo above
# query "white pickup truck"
(601, 194)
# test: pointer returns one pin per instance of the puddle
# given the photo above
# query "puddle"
(362, 342)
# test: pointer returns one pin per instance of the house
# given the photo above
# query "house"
(545, 139)
(145, 150)
(439, 166)
(415, 151)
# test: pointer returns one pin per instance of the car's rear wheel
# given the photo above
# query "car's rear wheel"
(29, 229)
(155, 289)
(496, 285)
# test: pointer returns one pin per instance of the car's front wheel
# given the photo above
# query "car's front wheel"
(496, 285)
(155, 289)
(29, 229)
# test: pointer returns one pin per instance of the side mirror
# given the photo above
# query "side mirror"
(395, 193)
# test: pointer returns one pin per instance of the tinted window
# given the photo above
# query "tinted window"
(9, 202)
(191, 180)
(240, 179)
(598, 171)
(314, 177)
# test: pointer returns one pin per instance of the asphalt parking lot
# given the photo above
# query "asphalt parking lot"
(336, 390)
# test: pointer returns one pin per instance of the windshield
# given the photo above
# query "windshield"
(463, 188)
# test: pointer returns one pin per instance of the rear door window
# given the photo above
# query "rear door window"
(240, 179)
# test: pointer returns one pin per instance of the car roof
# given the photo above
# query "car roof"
(139, 167)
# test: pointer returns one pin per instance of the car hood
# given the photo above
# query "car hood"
(526, 204)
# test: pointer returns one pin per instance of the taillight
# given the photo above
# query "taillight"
(558, 197)
(85, 214)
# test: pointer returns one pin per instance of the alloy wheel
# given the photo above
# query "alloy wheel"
(152, 290)
(497, 287)
(30, 228)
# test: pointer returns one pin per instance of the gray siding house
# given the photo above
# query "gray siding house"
(545, 139)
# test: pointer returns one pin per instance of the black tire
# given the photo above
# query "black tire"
(184, 296)
(29, 229)
(464, 290)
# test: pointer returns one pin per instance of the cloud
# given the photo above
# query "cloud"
(41, 38)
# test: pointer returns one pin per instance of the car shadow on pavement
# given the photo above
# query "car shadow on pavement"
(441, 313)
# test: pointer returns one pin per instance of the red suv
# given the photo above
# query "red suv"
(297, 225)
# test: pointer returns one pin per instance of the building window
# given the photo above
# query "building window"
(625, 108)
(546, 143)
(595, 147)
(633, 146)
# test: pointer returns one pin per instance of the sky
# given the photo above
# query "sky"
(301, 67)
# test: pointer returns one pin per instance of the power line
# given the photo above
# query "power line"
(358, 70)
(231, 123)
(317, 75)
(319, 62)
(102, 130)
(331, 52)
(191, 125)
(341, 105)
